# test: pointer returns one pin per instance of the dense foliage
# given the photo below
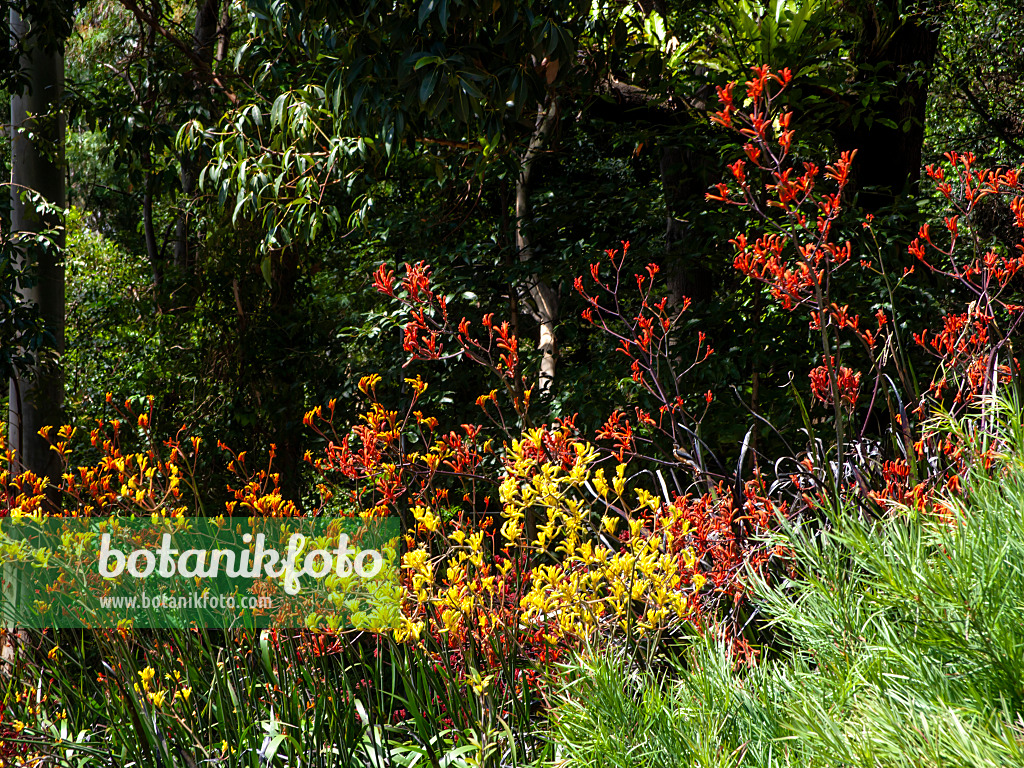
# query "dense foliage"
(678, 337)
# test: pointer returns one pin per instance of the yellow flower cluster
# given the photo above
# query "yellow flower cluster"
(639, 584)
(139, 482)
(468, 588)
(157, 695)
(560, 529)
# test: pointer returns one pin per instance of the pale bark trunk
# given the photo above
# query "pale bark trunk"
(541, 292)
(37, 164)
(224, 32)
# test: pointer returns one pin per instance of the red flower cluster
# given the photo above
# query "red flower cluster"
(970, 343)
(645, 332)
(847, 383)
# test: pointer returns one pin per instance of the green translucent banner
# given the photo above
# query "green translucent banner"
(222, 572)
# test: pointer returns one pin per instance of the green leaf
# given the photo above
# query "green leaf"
(426, 8)
(277, 111)
(243, 197)
(425, 59)
(470, 90)
(428, 85)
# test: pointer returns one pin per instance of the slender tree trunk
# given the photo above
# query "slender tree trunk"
(283, 394)
(37, 165)
(152, 249)
(540, 289)
(224, 31)
(183, 256)
(204, 40)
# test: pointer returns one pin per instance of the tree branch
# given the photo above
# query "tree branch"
(202, 66)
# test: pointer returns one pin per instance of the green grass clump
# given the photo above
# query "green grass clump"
(901, 644)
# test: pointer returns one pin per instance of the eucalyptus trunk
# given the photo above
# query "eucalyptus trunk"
(37, 166)
(543, 295)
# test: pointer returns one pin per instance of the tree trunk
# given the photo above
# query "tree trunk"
(684, 182)
(540, 289)
(203, 44)
(224, 32)
(284, 395)
(37, 164)
(152, 249)
(888, 161)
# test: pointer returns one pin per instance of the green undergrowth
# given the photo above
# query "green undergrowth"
(902, 645)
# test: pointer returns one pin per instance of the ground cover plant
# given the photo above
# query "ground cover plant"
(768, 518)
(900, 644)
